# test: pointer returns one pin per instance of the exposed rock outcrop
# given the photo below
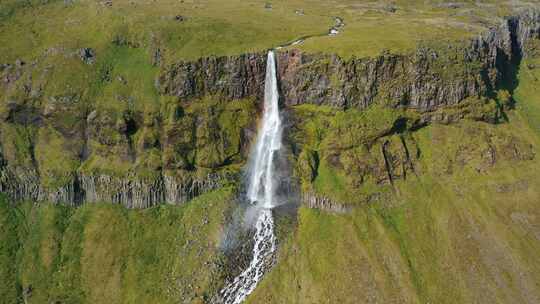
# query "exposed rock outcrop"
(129, 158)
(56, 145)
(131, 192)
(314, 201)
(233, 77)
(430, 77)
(472, 148)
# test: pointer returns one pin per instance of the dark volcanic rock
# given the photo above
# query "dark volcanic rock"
(314, 201)
(87, 55)
(176, 154)
(232, 77)
(428, 78)
(129, 191)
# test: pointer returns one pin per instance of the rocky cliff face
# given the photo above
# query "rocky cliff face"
(430, 77)
(134, 159)
(63, 145)
(131, 192)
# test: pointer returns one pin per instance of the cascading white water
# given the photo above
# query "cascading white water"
(261, 185)
(263, 252)
(261, 192)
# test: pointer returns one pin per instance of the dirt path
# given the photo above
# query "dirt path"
(333, 31)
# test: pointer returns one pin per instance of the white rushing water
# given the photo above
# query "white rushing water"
(261, 192)
(261, 187)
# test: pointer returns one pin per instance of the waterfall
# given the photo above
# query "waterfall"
(261, 190)
(261, 185)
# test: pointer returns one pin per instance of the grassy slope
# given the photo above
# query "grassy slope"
(467, 237)
(527, 94)
(464, 238)
(103, 253)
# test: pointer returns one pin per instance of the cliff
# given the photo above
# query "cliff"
(418, 170)
(67, 143)
(434, 75)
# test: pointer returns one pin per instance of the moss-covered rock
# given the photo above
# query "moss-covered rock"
(361, 154)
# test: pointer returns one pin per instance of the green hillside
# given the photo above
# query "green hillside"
(102, 253)
(412, 144)
(457, 233)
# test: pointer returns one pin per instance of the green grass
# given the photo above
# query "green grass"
(198, 135)
(350, 165)
(39, 254)
(323, 128)
(337, 138)
(527, 94)
(369, 29)
(56, 161)
(17, 144)
(458, 232)
(121, 82)
(354, 127)
(130, 80)
(232, 27)
(330, 181)
(103, 253)
(9, 245)
(462, 237)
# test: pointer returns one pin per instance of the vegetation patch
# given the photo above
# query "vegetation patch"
(465, 235)
(105, 253)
